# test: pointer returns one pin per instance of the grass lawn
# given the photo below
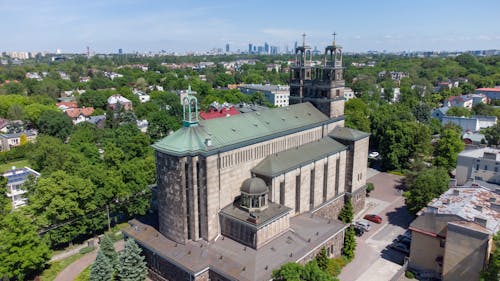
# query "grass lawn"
(18, 164)
(84, 275)
(56, 267)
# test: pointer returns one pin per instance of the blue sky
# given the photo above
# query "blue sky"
(195, 25)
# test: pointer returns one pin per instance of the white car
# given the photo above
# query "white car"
(373, 154)
(363, 224)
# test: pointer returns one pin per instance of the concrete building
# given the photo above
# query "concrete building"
(184, 93)
(491, 93)
(459, 101)
(277, 95)
(117, 101)
(15, 180)
(240, 196)
(452, 238)
(479, 164)
(473, 124)
(439, 113)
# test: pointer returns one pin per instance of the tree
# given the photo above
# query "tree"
(160, 124)
(22, 252)
(295, 272)
(459, 111)
(492, 272)
(447, 149)
(349, 243)
(322, 259)
(56, 124)
(48, 155)
(132, 266)
(347, 214)
(108, 250)
(61, 197)
(102, 269)
(492, 134)
(5, 202)
(425, 186)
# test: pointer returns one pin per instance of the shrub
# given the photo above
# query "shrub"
(86, 250)
(409, 274)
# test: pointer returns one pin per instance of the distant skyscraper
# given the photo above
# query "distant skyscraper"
(227, 48)
(295, 46)
(120, 51)
(250, 48)
(266, 48)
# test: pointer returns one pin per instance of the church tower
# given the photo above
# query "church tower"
(322, 85)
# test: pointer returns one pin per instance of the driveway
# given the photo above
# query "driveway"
(374, 261)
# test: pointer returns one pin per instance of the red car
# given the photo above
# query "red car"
(373, 218)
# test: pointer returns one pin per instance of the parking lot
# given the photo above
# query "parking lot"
(375, 260)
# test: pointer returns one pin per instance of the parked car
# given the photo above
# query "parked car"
(373, 154)
(400, 247)
(358, 230)
(362, 224)
(373, 218)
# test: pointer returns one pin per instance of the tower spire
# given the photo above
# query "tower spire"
(334, 35)
(303, 39)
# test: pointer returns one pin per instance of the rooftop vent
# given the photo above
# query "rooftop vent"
(480, 221)
(456, 192)
(493, 199)
(478, 208)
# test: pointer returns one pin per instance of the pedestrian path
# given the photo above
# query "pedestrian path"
(74, 269)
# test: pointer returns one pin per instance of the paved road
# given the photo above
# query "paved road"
(72, 271)
(374, 261)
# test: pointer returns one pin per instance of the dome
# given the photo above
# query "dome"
(254, 186)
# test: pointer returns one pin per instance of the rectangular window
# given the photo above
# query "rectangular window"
(311, 190)
(337, 176)
(297, 193)
(442, 242)
(188, 209)
(282, 193)
(325, 180)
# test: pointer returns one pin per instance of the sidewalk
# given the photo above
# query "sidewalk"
(74, 269)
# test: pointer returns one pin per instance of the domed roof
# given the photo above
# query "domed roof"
(254, 186)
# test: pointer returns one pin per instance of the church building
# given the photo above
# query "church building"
(242, 195)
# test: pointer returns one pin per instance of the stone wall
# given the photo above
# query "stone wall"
(171, 197)
(161, 269)
(333, 248)
(331, 209)
(358, 199)
(270, 231)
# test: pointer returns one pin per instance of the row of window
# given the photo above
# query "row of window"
(264, 150)
(486, 168)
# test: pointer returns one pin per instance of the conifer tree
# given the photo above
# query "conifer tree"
(101, 270)
(132, 266)
(347, 214)
(108, 250)
(349, 243)
(322, 260)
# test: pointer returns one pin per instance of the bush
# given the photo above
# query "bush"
(86, 250)
(335, 265)
(409, 274)
(369, 188)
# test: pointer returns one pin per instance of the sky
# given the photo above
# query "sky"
(196, 25)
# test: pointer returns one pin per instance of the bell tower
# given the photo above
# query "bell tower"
(322, 84)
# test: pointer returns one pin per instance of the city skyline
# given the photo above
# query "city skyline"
(196, 26)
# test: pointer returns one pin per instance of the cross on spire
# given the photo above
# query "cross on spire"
(303, 39)
(334, 35)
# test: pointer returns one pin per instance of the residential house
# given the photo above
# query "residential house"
(479, 164)
(277, 95)
(98, 120)
(479, 98)
(15, 180)
(3, 125)
(217, 110)
(439, 113)
(451, 238)
(459, 101)
(474, 123)
(395, 75)
(348, 94)
(143, 97)
(79, 115)
(117, 101)
(7, 141)
(475, 139)
(491, 93)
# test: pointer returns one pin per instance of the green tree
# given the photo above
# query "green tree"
(132, 266)
(492, 134)
(48, 154)
(347, 213)
(5, 202)
(425, 186)
(492, 271)
(102, 269)
(459, 111)
(447, 149)
(55, 124)
(160, 124)
(22, 252)
(322, 259)
(295, 272)
(108, 250)
(349, 243)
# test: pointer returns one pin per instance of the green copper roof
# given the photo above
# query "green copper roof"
(279, 163)
(240, 130)
(348, 134)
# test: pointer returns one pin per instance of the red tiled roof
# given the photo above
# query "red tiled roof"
(224, 112)
(75, 112)
(68, 104)
(489, 89)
